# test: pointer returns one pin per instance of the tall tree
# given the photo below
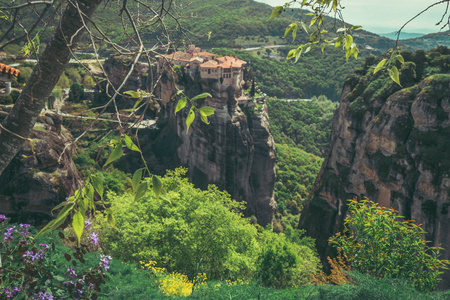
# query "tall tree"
(18, 124)
(76, 19)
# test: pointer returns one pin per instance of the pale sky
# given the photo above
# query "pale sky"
(384, 16)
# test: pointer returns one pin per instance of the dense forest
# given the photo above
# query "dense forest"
(313, 75)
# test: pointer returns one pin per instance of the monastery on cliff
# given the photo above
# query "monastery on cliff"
(228, 70)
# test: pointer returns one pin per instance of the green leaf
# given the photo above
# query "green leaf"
(356, 27)
(400, 59)
(181, 104)
(288, 29)
(179, 92)
(206, 110)
(299, 52)
(190, 118)
(276, 12)
(90, 192)
(78, 225)
(97, 182)
(393, 73)
(137, 177)
(291, 54)
(355, 52)
(348, 42)
(339, 41)
(157, 185)
(53, 224)
(133, 94)
(204, 118)
(304, 27)
(201, 96)
(59, 205)
(115, 154)
(114, 142)
(335, 4)
(379, 66)
(141, 190)
(136, 103)
(294, 32)
(313, 20)
(129, 143)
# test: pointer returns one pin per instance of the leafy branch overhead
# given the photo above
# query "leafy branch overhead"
(204, 111)
(318, 30)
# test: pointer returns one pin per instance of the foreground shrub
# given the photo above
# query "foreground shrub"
(34, 269)
(377, 243)
(339, 272)
(187, 230)
(283, 263)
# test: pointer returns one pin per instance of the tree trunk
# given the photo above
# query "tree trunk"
(52, 63)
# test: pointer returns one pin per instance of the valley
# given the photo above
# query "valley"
(214, 167)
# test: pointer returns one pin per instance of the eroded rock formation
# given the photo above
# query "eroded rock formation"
(40, 176)
(235, 151)
(391, 145)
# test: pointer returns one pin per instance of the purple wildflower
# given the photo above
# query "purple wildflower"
(45, 246)
(8, 234)
(11, 293)
(87, 224)
(104, 262)
(28, 253)
(3, 218)
(94, 238)
(71, 272)
(24, 228)
(42, 296)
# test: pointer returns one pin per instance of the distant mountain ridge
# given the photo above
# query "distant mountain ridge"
(227, 20)
(429, 41)
(403, 35)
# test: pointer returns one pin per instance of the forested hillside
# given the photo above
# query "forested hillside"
(315, 74)
(303, 124)
(301, 131)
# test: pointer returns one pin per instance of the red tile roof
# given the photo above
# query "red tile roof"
(225, 62)
(185, 56)
(9, 70)
(210, 64)
(231, 62)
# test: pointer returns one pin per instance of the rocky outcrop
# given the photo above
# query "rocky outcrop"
(391, 145)
(117, 68)
(41, 175)
(235, 151)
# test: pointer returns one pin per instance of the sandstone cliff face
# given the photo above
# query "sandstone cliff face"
(39, 177)
(391, 145)
(235, 151)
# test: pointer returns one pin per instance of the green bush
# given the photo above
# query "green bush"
(25, 73)
(76, 92)
(285, 264)
(5, 100)
(184, 229)
(376, 243)
(14, 95)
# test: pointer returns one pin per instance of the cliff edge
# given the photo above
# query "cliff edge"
(392, 145)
